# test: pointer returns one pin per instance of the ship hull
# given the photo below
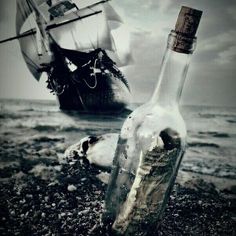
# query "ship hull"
(89, 82)
(109, 95)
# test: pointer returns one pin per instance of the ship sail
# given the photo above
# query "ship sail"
(28, 44)
(24, 9)
(76, 31)
(83, 35)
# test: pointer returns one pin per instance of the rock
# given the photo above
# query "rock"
(71, 188)
(98, 150)
(104, 177)
(44, 172)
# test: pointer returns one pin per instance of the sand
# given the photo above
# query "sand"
(42, 194)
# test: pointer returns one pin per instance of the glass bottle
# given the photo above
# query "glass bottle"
(152, 141)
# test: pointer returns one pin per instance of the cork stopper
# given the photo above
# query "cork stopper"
(188, 21)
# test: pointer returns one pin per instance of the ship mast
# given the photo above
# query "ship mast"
(42, 21)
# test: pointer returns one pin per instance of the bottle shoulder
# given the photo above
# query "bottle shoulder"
(150, 119)
(134, 120)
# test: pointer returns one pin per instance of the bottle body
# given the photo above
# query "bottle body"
(152, 141)
(145, 166)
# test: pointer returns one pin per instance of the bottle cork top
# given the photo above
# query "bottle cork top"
(188, 21)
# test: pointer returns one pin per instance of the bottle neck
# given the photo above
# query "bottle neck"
(173, 70)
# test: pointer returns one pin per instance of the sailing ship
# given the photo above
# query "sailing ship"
(75, 43)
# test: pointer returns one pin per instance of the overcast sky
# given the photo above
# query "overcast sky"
(212, 74)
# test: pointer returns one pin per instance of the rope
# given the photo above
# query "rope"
(80, 98)
(62, 91)
(95, 78)
(86, 63)
(54, 89)
(78, 92)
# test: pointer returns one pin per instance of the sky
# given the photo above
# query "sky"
(211, 79)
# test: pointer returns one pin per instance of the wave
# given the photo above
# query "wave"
(13, 116)
(215, 115)
(215, 134)
(226, 115)
(222, 171)
(206, 115)
(202, 144)
(231, 121)
(27, 110)
(56, 128)
(42, 110)
(73, 129)
(46, 128)
(59, 128)
(48, 139)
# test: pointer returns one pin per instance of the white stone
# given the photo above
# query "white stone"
(71, 188)
(100, 152)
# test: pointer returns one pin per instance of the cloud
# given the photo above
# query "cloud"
(227, 56)
(213, 59)
(232, 12)
(218, 49)
(157, 5)
(214, 43)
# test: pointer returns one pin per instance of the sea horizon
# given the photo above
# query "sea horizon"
(54, 101)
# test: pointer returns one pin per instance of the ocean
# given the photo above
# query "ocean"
(211, 131)
(38, 132)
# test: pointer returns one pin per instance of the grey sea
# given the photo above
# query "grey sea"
(36, 200)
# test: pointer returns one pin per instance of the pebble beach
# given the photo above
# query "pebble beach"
(44, 193)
